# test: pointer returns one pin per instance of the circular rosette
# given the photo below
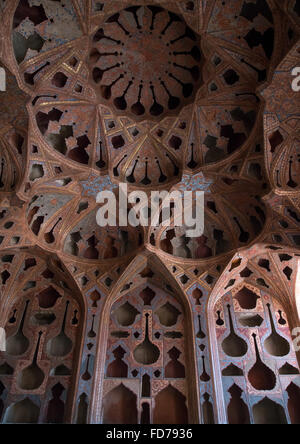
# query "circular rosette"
(234, 217)
(145, 62)
(68, 221)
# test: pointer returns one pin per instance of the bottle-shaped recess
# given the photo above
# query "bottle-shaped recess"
(200, 334)
(61, 345)
(92, 333)
(275, 344)
(219, 321)
(146, 352)
(49, 237)
(204, 376)
(138, 108)
(86, 375)
(281, 319)
(32, 376)
(261, 377)
(18, 344)
(234, 345)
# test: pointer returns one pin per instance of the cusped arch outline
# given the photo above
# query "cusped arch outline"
(238, 263)
(136, 266)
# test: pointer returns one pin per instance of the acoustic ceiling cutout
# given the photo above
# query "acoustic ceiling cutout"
(126, 314)
(238, 412)
(275, 344)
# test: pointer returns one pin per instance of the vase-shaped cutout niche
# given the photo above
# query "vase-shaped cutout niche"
(18, 344)
(146, 352)
(275, 344)
(32, 377)
(234, 345)
(261, 377)
(61, 345)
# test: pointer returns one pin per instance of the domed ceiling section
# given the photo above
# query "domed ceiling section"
(104, 101)
(282, 124)
(145, 61)
(66, 220)
(234, 216)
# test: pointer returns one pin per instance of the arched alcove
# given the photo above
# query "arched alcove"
(139, 341)
(146, 332)
(268, 412)
(170, 407)
(120, 407)
(252, 349)
(293, 391)
(22, 412)
(43, 314)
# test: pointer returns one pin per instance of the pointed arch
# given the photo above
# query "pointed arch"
(145, 264)
(293, 391)
(119, 406)
(260, 269)
(170, 407)
(22, 412)
(41, 300)
(268, 411)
